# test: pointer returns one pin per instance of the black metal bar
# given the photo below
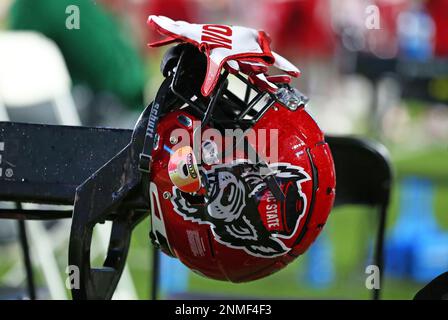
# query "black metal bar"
(46, 163)
(234, 98)
(250, 85)
(103, 196)
(187, 101)
(247, 95)
(21, 214)
(155, 273)
(379, 258)
(211, 106)
(27, 258)
(175, 85)
(263, 111)
(253, 102)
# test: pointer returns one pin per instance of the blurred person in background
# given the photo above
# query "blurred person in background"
(100, 55)
(301, 30)
(134, 14)
(368, 25)
(384, 42)
(438, 9)
(186, 10)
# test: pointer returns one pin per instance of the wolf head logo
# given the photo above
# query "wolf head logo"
(240, 208)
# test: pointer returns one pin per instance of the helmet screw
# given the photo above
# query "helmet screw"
(173, 140)
(293, 104)
(166, 195)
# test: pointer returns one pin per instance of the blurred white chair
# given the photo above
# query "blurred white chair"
(33, 72)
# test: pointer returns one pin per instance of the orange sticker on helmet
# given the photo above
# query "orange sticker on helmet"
(183, 170)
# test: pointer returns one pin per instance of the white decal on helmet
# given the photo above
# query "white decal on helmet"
(231, 207)
(157, 223)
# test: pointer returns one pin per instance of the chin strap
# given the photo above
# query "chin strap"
(157, 107)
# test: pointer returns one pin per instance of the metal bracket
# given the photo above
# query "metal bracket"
(70, 166)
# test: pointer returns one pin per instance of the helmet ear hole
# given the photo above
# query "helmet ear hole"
(185, 170)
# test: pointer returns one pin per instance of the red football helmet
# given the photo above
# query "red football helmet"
(241, 182)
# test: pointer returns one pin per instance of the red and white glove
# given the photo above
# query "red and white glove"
(238, 49)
